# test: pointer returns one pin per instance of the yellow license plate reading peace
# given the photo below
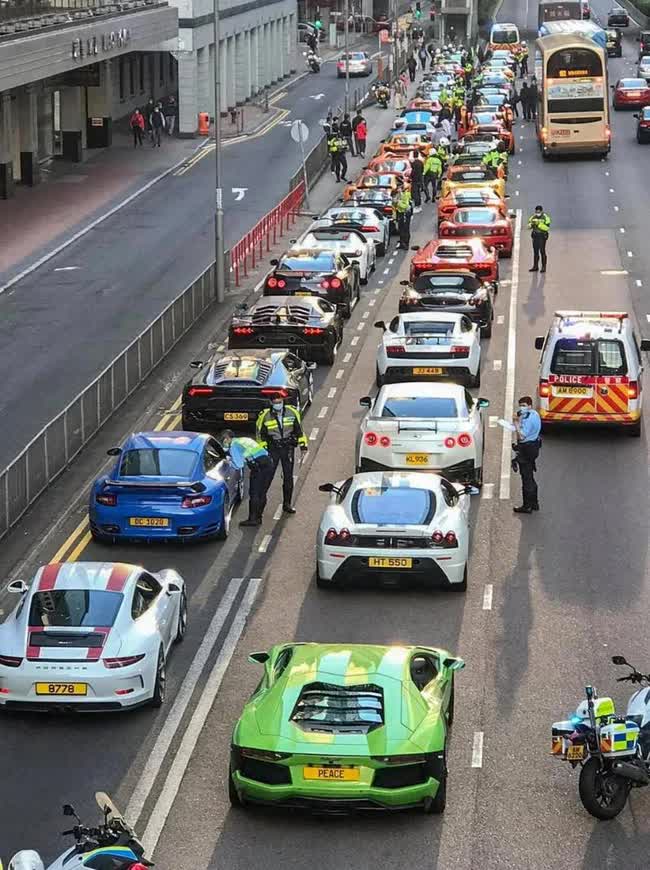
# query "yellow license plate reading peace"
(575, 753)
(572, 391)
(155, 522)
(427, 371)
(232, 415)
(61, 689)
(340, 774)
(417, 458)
(390, 562)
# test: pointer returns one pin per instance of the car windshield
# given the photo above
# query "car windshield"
(476, 175)
(632, 84)
(351, 216)
(574, 356)
(422, 407)
(426, 327)
(505, 36)
(154, 462)
(318, 262)
(377, 181)
(74, 608)
(393, 505)
(475, 216)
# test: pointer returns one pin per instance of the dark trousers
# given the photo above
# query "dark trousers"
(429, 185)
(539, 249)
(416, 190)
(156, 134)
(404, 228)
(350, 142)
(412, 73)
(527, 110)
(527, 453)
(283, 455)
(343, 164)
(261, 477)
(524, 67)
(137, 136)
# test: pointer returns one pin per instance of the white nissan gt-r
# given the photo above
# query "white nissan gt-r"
(394, 525)
(91, 636)
(343, 240)
(429, 345)
(433, 427)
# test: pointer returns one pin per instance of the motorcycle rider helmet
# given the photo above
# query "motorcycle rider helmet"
(26, 859)
(444, 142)
(603, 708)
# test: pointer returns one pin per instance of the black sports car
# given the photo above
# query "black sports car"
(316, 272)
(618, 17)
(457, 291)
(309, 326)
(230, 389)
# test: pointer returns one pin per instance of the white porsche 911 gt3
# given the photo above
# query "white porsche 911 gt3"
(394, 525)
(91, 636)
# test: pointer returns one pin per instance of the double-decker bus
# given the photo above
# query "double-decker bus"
(562, 10)
(575, 28)
(573, 111)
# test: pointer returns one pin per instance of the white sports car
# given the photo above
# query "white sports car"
(426, 345)
(343, 240)
(434, 427)
(370, 221)
(394, 525)
(91, 636)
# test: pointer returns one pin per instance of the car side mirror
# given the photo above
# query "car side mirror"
(379, 324)
(114, 451)
(645, 344)
(539, 342)
(483, 403)
(274, 262)
(453, 664)
(328, 487)
(619, 660)
(69, 810)
(293, 241)
(196, 364)
(173, 588)
(365, 402)
(18, 586)
(259, 658)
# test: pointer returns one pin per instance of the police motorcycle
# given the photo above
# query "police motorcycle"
(112, 842)
(613, 751)
(381, 93)
(312, 61)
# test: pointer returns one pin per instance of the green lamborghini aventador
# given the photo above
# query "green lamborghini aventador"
(344, 727)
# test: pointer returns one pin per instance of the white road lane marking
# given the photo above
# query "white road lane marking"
(195, 726)
(611, 190)
(504, 490)
(647, 317)
(278, 513)
(360, 326)
(616, 208)
(221, 348)
(263, 547)
(331, 392)
(67, 268)
(323, 412)
(630, 254)
(518, 175)
(377, 292)
(313, 435)
(371, 302)
(614, 272)
(492, 421)
(174, 717)
(355, 341)
(390, 263)
(366, 315)
(500, 319)
(497, 365)
(487, 596)
(386, 271)
(516, 193)
(347, 358)
(379, 282)
(477, 749)
(340, 374)
(639, 282)
(621, 229)
(606, 173)
(487, 491)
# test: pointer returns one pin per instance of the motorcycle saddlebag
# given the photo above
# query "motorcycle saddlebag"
(619, 739)
(560, 733)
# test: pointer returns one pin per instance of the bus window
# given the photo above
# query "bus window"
(573, 63)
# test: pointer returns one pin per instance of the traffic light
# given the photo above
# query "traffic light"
(418, 14)
(318, 24)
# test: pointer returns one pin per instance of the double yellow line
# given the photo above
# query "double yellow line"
(78, 540)
(200, 154)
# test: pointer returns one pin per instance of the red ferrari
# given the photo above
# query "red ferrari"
(631, 94)
(485, 223)
(473, 197)
(469, 253)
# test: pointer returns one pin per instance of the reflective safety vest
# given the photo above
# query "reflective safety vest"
(403, 201)
(246, 450)
(541, 224)
(492, 159)
(333, 145)
(433, 165)
(271, 429)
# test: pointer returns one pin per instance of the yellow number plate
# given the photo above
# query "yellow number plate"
(428, 371)
(235, 416)
(417, 458)
(61, 689)
(341, 774)
(156, 522)
(302, 293)
(575, 753)
(390, 562)
(572, 391)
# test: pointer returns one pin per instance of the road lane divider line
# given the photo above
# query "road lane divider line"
(477, 749)
(488, 491)
(263, 547)
(195, 726)
(378, 291)
(500, 320)
(360, 326)
(492, 421)
(386, 271)
(639, 282)
(313, 435)
(323, 412)
(487, 596)
(511, 361)
(340, 374)
(331, 392)
(278, 513)
(355, 341)
(69, 541)
(497, 365)
(366, 315)
(347, 358)
(630, 254)
(81, 546)
(174, 718)
(371, 302)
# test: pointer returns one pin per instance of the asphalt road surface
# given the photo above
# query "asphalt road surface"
(133, 264)
(551, 597)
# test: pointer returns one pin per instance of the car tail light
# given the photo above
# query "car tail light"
(107, 499)
(340, 539)
(371, 439)
(243, 330)
(544, 389)
(325, 284)
(123, 662)
(200, 391)
(420, 267)
(274, 391)
(194, 501)
(410, 300)
(440, 539)
(464, 440)
(368, 229)
(272, 282)
(388, 209)
(313, 330)
(11, 661)
(450, 442)
(396, 349)
(384, 441)
(633, 390)
(447, 231)
(281, 283)
(437, 537)
(451, 540)
(459, 350)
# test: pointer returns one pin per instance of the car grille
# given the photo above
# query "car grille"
(392, 542)
(401, 776)
(265, 771)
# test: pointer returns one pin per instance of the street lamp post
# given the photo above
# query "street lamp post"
(219, 260)
(346, 102)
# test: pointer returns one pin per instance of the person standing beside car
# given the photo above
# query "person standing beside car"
(528, 428)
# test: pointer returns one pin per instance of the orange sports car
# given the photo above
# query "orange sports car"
(464, 177)
(400, 165)
(481, 222)
(401, 144)
(374, 181)
(470, 254)
(421, 105)
(471, 197)
(489, 122)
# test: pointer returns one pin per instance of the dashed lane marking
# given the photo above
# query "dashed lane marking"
(497, 365)
(347, 357)
(630, 254)
(313, 435)
(331, 393)
(371, 302)
(500, 319)
(477, 749)
(323, 412)
(379, 282)
(360, 326)
(377, 292)
(621, 229)
(487, 596)
(366, 315)
(263, 547)
(639, 282)
(386, 271)
(355, 341)
(492, 421)
(340, 374)
(487, 491)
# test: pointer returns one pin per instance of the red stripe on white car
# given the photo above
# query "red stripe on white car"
(33, 652)
(49, 576)
(118, 577)
(94, 653)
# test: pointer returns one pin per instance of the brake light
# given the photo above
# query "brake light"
(420, 267)
(107, 499)
(450, 442)
(440, 539)
(633, 390)
(451, 540)
(199, 391)
(544, 389)
(384, 441)
(370, 438)
(124, 662)
(395, 349)
(340, 539)
(272, 282)
(313, 330)
(282, 283)
(243, 330)
(11, 661)
(459, 350)
(447, 231)
(274, 391)
(194, 501)
(437, 537)
(388, 209)
(368, 229)
(464, 440)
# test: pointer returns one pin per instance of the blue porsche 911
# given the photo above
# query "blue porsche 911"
(165, 486)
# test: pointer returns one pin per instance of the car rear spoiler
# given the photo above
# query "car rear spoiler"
(194, 485)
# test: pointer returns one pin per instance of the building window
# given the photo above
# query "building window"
(132, 75)
(171, 67)
(121, 65)
(141, 72)
(162, 68)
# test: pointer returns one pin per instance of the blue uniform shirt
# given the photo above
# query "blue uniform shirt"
(244, 449)
(530, 425)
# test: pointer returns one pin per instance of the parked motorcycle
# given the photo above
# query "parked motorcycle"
(613, 751)
(313, 62)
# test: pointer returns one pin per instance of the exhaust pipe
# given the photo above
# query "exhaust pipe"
(631, 771)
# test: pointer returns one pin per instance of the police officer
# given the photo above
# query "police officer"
(279, 429)
(417, 180)
(432, 175)
(404, 212)
(528, 427)
(539, 225)
(248, 452)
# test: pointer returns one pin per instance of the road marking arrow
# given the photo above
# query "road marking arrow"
(317, 96)
(240, 193)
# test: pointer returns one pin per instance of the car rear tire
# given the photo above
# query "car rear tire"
(329, 355)
(101, 539)
(477, 480)
(486, 331)
(224, 529)
(437, 805)
(364, 281)
(160, 686)
(475, 381)
(450, 709)
(182, 619)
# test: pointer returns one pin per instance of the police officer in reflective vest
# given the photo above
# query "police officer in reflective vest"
(539, 223)
(279, 429)
(246, 452)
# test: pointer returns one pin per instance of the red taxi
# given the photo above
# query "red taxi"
(473, 197)
(485, 223)
(470, 254)
(631, 94)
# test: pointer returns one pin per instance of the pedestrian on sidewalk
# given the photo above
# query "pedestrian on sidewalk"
(524, 99)
(534, 97)
(417, 176)
(343, 160)
(423, 55)
(361, 136)
(516, 98)
(147, 113)
(431, 51)
(157, 125)
(412, 65)
(137, 127)
(404, 211)
(171, 113)
(345, 129)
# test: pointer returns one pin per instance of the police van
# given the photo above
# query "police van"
(591, 370)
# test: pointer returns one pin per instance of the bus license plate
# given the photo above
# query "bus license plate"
(390, 562)
(231, 415)
(61, 689)
(428, 370)
(572, 391)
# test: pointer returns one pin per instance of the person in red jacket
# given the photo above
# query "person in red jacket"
(360, 135)
(137, 127)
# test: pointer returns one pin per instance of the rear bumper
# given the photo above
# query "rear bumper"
(591, 419)
(192, 523)
(430, 567)
(459, 471)
(102, 685)
(398, 374)
(310, 351)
